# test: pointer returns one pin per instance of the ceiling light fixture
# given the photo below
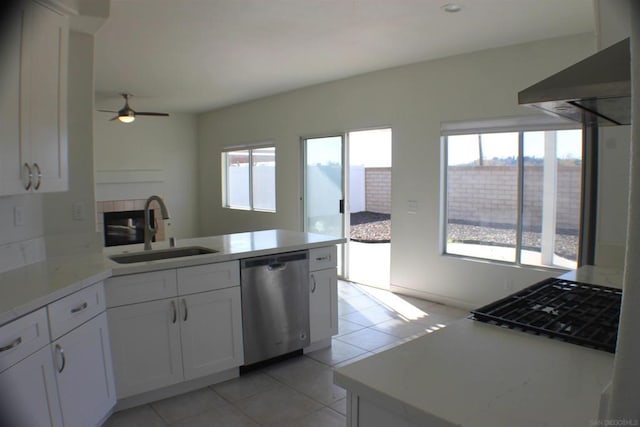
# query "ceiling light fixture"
(451, 7)
(128, 117)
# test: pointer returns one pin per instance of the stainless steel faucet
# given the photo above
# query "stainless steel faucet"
(149, 231)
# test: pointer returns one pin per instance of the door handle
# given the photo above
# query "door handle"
(313, 288)
(277, 266)
(29, 176)
(341, 206)
(11, 345)
(79, 308)
(36, 168)
(186, 312)
(62, 357)
(175, 312)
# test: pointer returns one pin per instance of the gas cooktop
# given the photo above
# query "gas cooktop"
(574, 312)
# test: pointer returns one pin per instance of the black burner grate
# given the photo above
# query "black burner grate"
(575, 312)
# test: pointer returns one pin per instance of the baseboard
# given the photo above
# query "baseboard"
(174, 390)
(453, 302)
(317, 345)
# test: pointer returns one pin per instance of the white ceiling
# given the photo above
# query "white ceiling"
(197, 55)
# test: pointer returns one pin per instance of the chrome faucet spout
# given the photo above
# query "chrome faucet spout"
(149, 231)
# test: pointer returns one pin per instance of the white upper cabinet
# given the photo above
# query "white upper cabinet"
(33, 144)
(47, 98)
(11, 154)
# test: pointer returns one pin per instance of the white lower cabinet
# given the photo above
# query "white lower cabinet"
(145, 345)
(187, 336)
(211, 330)
(28, 393)
(323, 304)
(65, 382)
(82, 361)
(323, 295)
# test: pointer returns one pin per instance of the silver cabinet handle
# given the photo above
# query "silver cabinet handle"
(175, 312)
(13, 344)
(62, 357)
(313, 289)
(29, 183)
(186, 312)
(79, 308)
(323, 258)
(39, 174)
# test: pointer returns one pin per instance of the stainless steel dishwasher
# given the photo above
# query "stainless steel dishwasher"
(275, 305)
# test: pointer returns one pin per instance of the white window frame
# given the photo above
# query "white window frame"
(521, 125)
(225, 176)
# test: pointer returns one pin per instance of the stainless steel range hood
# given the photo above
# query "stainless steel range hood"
(595, 91)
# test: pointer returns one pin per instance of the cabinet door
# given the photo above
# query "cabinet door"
(323, 304)
(82, 359)
(29, 395)
(12, 155)
(46, 98)
(145, 345)
(211, 332)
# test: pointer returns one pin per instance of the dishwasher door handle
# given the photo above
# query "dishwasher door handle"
(277, 266)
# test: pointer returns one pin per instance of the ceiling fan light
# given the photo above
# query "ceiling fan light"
(128, 118)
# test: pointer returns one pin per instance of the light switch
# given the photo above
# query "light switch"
(412, 207)
(78, 211)
(18, 215)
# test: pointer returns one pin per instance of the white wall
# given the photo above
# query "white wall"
(162, 147)
(413, 100)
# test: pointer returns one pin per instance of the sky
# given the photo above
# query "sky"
(463, 149)
(370, 148)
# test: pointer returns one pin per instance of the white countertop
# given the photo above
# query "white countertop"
(475, 374)
(229, 247)
(28, 288)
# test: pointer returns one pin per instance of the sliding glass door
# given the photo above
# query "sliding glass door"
(324, 187)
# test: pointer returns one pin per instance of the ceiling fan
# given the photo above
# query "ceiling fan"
(127, 114)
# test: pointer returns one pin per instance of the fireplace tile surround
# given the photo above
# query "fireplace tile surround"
(129, 205)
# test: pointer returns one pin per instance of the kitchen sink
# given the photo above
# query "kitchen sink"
(158, 254)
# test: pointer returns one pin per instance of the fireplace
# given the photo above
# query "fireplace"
(125, 227)
(122, 221)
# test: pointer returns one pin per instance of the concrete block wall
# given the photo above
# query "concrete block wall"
(378, 190)
(488, 195)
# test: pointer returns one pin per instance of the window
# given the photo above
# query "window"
(249, 179)
(514, 196)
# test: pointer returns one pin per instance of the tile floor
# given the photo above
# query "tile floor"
(300, 391)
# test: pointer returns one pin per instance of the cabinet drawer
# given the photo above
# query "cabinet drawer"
(321, 258)
(23, 337)
(75, 309)
(208, 277)
(141, 287)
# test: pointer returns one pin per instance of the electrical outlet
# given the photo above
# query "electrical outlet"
(18, 216)
(78, 211)
(412, 207)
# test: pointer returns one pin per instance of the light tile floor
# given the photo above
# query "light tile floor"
(300, 391)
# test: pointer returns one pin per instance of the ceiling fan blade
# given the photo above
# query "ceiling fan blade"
(107, 111)
(115, 118)
(148, 113)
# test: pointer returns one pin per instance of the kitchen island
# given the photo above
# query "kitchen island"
(82, 335)
(25, 289)
(477, 374)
